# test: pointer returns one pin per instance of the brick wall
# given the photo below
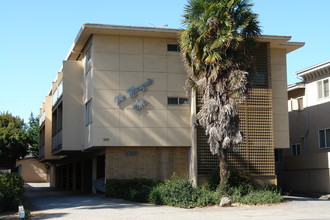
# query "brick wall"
(145, 162)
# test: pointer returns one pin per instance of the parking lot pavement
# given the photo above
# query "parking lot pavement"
(46, 203)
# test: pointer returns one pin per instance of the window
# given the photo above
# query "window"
(88, 112)
(295, 149)
(324, 138)
(300, 102)
(177, 101)
(323, 88)
(173, 47)
(88, 59)
(60, 90)
(54, 97)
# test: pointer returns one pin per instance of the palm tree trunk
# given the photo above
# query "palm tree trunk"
(223, 164)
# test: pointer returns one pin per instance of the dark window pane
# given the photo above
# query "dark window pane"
(328, 137)
(322, 138)
(294, 149)
(298, 149)
(173, 47)
(172, 101)
(183, 101)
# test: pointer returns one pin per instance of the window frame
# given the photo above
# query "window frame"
(322, 90)
(326, 145)
(171, 45)
(88, 112)
(300, 105)
(294, 149)
(178, 101)
(88, 60)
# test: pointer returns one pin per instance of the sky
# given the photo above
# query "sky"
(36, 36)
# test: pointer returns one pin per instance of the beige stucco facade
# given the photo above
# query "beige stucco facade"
(133, 61)
(121, 110)
(306, 164)
(279, 94)
(45, 131)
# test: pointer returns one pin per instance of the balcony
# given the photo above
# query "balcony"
(57, 94)
(57, 141)
(42, 118)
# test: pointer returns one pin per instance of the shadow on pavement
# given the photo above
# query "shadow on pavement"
(46, 198)
(46, 215)
(300, 198)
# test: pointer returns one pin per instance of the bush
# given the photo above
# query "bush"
(247, 194)
(180, 192)
(130, 189)
(11, 191)
(236, 177)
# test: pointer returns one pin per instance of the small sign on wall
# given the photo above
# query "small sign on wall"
(131, 153)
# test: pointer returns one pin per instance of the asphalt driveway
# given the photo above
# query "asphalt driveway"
(46, 203)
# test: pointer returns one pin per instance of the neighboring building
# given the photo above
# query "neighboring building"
(31, 170)
(119, 110)
(307, 163)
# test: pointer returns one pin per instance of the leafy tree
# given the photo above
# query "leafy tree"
(214, 48)
(32, 136)
(12, 139)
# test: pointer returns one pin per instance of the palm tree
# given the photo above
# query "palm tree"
(214, 47)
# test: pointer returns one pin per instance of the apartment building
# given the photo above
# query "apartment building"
(306, 163)
(119, 110)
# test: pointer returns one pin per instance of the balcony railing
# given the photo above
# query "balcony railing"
(57, 140)
(41, 152)
(57, 94)
(42, 118)
(54, 142)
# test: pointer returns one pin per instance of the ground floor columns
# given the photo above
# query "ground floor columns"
(94, 174)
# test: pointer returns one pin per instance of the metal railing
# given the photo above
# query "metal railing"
(57, 140)
(57, 94)
(42, 118)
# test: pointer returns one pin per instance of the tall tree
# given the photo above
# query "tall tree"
(32, 136)
(12, 139)
(214, 48)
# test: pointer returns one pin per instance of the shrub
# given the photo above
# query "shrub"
(206, 197)
(11, 191)
(174, 192)
(130, 189)
(247, 194)
(180, 192)
(236, 177)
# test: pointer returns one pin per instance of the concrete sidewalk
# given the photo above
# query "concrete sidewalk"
(46, 203)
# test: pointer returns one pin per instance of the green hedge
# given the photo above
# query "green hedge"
(180, 192)
(11, 191)
(247, 194)
(130, 189)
